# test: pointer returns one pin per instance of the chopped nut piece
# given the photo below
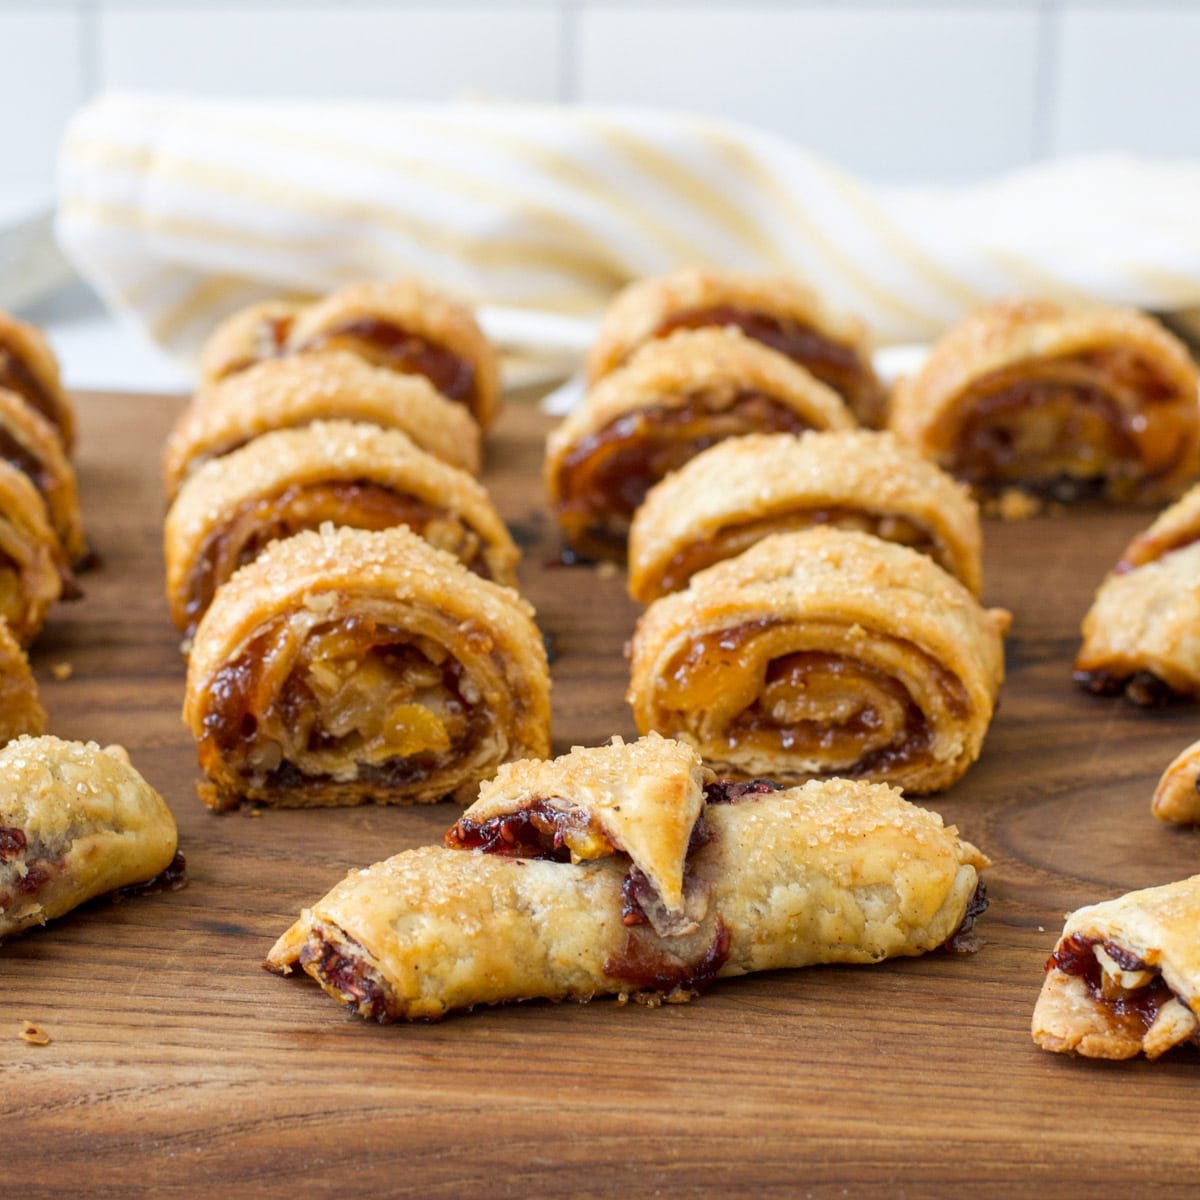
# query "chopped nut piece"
(1116, 981)
(35, 1035)
(1175, 1023)
(62, 670)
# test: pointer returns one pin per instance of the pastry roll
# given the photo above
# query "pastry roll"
(33, 566)
(20, 710)
(75, 822)
(1125, 976)
(1177, 797)
(674, 398)
(1139, 634)
(293, 392)
(31, 444)
(740, 491)
(822, 652)
(1058, 403)
(296, 479)
(251, 335)
(836, 871)
(402, 326)
(778, 311)
(348, 665)
(28, 368)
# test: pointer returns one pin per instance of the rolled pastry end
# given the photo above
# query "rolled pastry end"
(1122, 979)
(1177, 796)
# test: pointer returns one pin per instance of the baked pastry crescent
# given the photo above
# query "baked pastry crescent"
(1125, 976)
(1060, 403)
(776, 310)
(1177, 796)
(75, 822)
(822, 652)
(33, 566)
(20, 710)
(835, 871)
(293, 392)
(738, 492)
(29, 368)
(675, 397)
(347, 665)
(1139, 634)
(31, 444)
(295, 479)
(403, 326)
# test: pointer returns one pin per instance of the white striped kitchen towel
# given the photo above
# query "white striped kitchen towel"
(180, 210)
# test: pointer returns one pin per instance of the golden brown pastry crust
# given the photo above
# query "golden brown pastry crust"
(1139, 636)
(1174, 528)
(400, 325)
(250, 336)
(1125, 976)
(347, 665)
(1177, 796)
(75, 822)
(744, 489)
(640, 799)
(836, 871)
(29, 368)
(33, 566)
(676, 396)
(292, 392)
(777, 310)
(295, 479)
(21, 712)
(1030, 395)
(822, 652)
(31, 444)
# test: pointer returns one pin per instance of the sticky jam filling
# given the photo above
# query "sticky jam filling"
(1143, 688)
(1102, 422)
(843, 712)
(1134, 994)
(340, 963)
(385, 344)
(734, 539)
(360, 504)
(833, 363)
(355, 702)
(26, 866)
(604, 479)
(540, 829)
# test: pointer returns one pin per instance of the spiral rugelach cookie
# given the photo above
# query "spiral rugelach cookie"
(822, 652)
(33, 566)
(31, 444)
(736, 493)
(675, 397)
(403, 326)
(290, 393)
(29, 368)
(1124, 977)
(1060, 403)
(565, 896)
(76, 822)
(347, 665)
(1139, 636)
(775, 310)
(20, 710)
(295, 479)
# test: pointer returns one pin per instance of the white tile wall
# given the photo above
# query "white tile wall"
(897, 89)
(902, 94)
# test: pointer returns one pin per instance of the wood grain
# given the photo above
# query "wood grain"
(179, 1067)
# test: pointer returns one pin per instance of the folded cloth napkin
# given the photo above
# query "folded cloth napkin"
(182, 210)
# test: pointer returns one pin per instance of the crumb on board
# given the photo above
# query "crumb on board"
(62, 670)
(35, 1035)
(1012, 504)
(607, 570)
(251, 811)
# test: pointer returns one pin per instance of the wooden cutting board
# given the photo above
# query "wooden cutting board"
(179, 1067)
